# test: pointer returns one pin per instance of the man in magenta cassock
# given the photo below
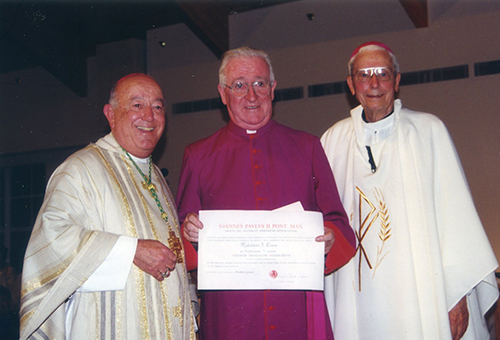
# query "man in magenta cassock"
(254, 163)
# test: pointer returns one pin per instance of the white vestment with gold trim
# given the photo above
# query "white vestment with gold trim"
(92, 199)
(421, 245)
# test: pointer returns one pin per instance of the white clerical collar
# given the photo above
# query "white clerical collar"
(251, 132)
(377, 131)
(140, 160)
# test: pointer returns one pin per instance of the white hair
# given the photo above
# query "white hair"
(241, 53)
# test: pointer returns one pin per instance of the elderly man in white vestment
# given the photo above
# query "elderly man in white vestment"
(104, 259)
(424, 268)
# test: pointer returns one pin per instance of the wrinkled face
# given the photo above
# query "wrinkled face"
(251, 111)
(376, 96)
(137, 117)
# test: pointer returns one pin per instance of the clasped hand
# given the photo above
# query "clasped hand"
(155, 258)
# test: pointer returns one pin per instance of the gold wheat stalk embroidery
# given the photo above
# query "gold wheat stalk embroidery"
(365, 223)
(385, 230)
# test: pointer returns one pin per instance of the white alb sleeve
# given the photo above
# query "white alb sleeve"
(112, 274)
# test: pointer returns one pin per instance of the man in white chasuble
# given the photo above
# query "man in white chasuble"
(424, 268)
(104, 259)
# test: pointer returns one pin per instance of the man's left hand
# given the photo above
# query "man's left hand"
(328, 238)
(459, 319)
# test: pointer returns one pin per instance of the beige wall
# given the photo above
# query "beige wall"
(469, 107)
(40, 113)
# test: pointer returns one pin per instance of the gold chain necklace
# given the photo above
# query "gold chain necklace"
(173, 241)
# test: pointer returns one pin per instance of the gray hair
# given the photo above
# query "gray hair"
(373, 48)
(241, 53)
(112, 96)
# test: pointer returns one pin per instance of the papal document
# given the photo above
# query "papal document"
(244, 250)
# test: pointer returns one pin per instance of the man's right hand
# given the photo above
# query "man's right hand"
(192, 226)
(154, 258)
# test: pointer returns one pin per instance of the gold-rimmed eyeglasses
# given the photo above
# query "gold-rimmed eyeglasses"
(240, 88)
(365, 74)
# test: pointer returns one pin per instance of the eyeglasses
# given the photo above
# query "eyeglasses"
(365, 74)
(240, 89)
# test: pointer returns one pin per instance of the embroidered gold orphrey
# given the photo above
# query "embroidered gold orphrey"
(177, 312)
(366, 220)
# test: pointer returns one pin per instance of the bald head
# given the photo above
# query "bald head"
(136, 113)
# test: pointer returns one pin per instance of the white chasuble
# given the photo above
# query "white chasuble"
(421, 246)
(95, 196)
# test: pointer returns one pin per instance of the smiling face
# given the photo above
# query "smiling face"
(136, 114)
(251, 111)
(376, 96)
